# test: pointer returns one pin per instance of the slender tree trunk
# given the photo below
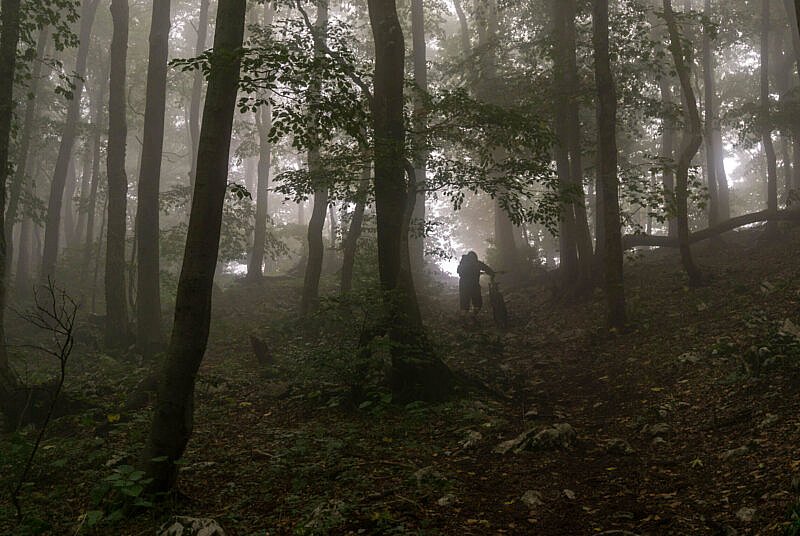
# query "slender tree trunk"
(667, 155)
(197, 86)
(116, 328)
(68, 210)
(55, 202)
(693, 138)
(607, 158)
(23, 280)
(91, 203)
(417, 238)
(333, 224)
(148, 292)
(23, 168)
(797, 14)
(583, 237)
(9, 37)
(173, 416)
(85, 185)
(766, 122)
(255, 267)
(350, 243)
(316, 245)
(568, 241)
(710, 121)
(416, 372)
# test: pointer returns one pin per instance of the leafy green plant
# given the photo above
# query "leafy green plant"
(793, 528)
(118, 494)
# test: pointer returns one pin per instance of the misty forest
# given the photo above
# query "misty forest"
(400, 267)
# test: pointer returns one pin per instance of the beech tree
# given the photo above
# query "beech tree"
(116, 328)
(607, 172)
(692, 138)
(317, 175)
(9, 36)
(173, 416)
(416, 373)
(149, 338)
(60, 174)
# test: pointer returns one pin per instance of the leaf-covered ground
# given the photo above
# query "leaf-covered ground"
(688, 423)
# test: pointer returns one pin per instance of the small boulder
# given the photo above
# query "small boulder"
(618, 446)
(745, 514)
(190, 526)
(532, 499)
(735, 453)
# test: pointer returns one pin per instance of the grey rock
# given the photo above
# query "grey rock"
(532, 499)
(618, 446)
(190, 526)
(735, 453)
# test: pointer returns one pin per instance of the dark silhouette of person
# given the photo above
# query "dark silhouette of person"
(469, 285)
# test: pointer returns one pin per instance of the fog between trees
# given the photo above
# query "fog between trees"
(159, 156)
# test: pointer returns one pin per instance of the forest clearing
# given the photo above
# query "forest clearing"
(400, 267)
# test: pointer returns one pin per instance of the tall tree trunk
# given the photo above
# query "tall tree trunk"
(91, 202)
(607, 172)
(487, 89)
(667, 154)
(148, 292)
(255, 267)
(23, 167)
(86, 181)
(691, 142)
(417, 239)
(9, 37)
(22, 280)
(68, 210)
(416, 372)
(350, 242)
(710, 121)
(116, 328)
(316, 245)
(567, 126)
(173, 416)
(333, 224)
(766, 121)
(55, 202)
(197, 86)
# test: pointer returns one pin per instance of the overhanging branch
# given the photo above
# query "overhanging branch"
(632, 241)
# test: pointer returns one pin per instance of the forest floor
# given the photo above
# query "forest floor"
(687, 423)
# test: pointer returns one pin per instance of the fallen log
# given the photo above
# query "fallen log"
(637, 240)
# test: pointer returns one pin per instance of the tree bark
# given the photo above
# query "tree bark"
(350, 243)
(91, 201)
(55, 202)
(766, 122)
(607, 172)
(576, 239)
(667, 155)
(255, 267)
(23, 167)
(417, 238)
(690, 144)
(316, 245)
(197, 87)
(632, 241)
(116, 328)
(710, 121)
(173, 416)
(9, 37)
(416, 372)
(148, 292)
